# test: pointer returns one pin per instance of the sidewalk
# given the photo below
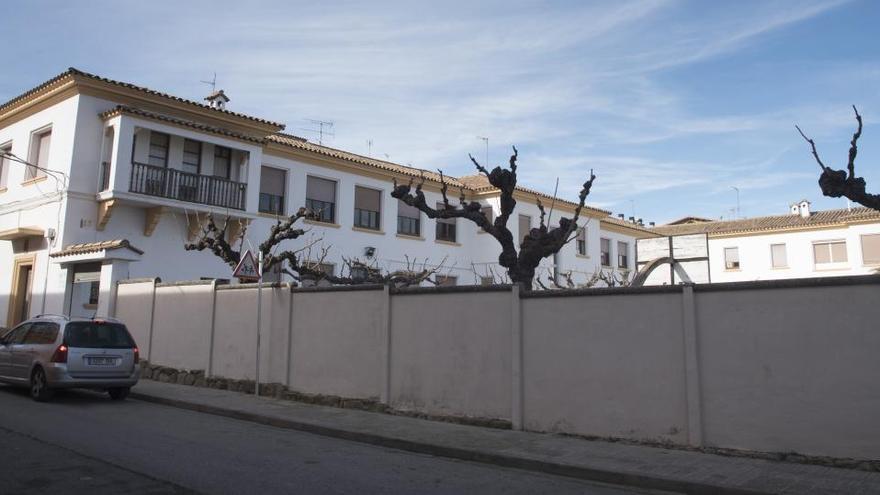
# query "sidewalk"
(631, 465)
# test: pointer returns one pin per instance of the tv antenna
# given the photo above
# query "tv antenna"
(370, 148)
(324, 128)
(212, 82)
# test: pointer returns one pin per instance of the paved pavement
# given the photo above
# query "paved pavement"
(82, 442)
(631, 465)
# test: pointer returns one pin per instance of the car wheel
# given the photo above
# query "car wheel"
(40, 390)
(118, 393)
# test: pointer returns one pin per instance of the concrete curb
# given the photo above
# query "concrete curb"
(624, 478)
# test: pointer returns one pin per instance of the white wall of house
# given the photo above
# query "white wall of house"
(756, 262)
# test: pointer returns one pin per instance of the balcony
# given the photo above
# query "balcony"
(169, 183)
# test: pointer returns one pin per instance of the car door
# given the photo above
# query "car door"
(35, 341)
(12, 339)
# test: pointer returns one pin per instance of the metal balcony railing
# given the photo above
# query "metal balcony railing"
(194, 188)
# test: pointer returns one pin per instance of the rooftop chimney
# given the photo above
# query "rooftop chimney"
(651, 224)
(801, 208)
(620, 216)
(217, 99)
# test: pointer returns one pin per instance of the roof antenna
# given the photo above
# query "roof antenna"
(320, 131)
(212, 82)
(370, 148)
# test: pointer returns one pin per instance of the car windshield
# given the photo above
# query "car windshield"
(97, 335)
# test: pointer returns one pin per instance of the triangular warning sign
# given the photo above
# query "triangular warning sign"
(247, 269)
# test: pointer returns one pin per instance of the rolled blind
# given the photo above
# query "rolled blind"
(442, 206)
(838, 252)
(405, 210)
(367, 199)
(582, 234)
(320, 189)
(525, 224)
(777, 253)
(871, 249)
(43, 157)
(272, 181)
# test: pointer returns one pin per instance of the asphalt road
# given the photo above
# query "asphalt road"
(82, 442)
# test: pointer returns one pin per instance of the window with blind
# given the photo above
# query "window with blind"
(408, 220)
(446, 280)
(828, 252)
(605, 252)
(871, 249)
(158, 155)
(4, 164)
(272, 182)
(445, 227)
(367, 209)
(581, 241)
(192, 156)
(39, 155)
(525, 224)
(778, 256)
(731, 258)
(622, 254)
(222, 162)
(321, 198)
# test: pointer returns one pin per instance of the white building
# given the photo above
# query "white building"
(127, 176)
(801, 244)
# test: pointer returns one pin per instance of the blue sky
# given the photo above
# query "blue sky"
(671, 102)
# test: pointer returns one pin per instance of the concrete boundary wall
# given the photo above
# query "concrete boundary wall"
(776, 366)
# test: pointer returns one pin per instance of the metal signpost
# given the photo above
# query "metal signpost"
(249, 270)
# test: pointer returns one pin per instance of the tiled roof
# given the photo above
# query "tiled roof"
(686, 220)
(773, 223)
(629, 225)
(119, 109)
(93, 247)
(76, 72)
(300, 143)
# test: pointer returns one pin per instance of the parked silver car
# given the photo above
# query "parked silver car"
(49, 352)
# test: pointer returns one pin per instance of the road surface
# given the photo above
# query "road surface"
(82, 442)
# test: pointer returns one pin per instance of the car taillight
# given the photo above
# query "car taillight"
(60, 355)
(137, 355)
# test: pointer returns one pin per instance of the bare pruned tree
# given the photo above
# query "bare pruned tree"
(300, 264)
(213, 238)
(837, 183)
(538, 244)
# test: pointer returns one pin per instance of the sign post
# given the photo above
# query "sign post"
(250, 270)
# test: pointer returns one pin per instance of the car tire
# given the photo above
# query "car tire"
(118, 393)
(40, 390)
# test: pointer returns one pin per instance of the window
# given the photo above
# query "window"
(581, 241)
(446, 280)
(366, 207)
(4, 164)
(408, 219)
(272, 181)
(42, 332)
(731, 258)
(97, 335)
(222, 162)
(489, 213)
(359, 273)
(39, 155)
(622, 254)
(158, 156)
(445, 227)
(829, 252)
(16, 335)
(605, 252)
(192, 156)
(487, 280)
(525, 224)
(871, 249)
(321, 198)
(778, 256)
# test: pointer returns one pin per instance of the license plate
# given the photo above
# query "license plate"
(102, 361)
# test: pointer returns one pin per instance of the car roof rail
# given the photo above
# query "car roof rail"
(106, 318)
(45, 315)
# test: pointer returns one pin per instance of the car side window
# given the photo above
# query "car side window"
(43, 332)
(17, 334)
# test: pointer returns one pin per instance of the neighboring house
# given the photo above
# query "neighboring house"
(133, 172)
(801, 244)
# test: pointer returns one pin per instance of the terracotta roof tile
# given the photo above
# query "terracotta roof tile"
(772, 223)
(120, 109)
(93, 247)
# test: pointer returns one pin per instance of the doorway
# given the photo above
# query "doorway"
(22, 287)
(85, 289)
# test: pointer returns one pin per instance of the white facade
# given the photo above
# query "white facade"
(106, 189)
(803, 244)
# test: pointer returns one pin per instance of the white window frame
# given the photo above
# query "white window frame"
(773, 260)
(727, 266)
(861, 247)
(34, 153)
(831, 265)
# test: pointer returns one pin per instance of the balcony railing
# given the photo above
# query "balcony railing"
(194, 188)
